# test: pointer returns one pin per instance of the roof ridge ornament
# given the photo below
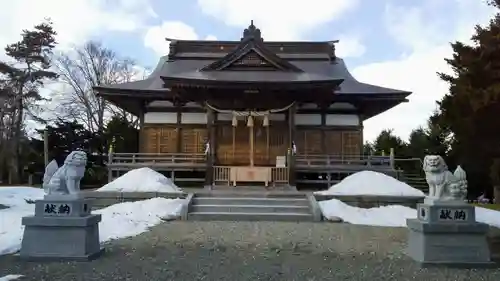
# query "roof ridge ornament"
(252, 33)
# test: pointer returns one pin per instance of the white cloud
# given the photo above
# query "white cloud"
(417, 73)
(349, 46)
(155, 36)
(278, 19)
(426, 34)
(75, 21)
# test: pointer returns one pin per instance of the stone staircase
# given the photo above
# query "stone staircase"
(251, 206)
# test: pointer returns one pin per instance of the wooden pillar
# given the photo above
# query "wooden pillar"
(361, 137)
(209, 174)
(323, 133)
(141, 148)
(178, 130)
(252, 145)
(212, 130)
(233, 130)
(291, 158)
(268, 160)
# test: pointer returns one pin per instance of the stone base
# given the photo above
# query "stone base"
(458, 265)
(67, 232)
(448, 244)
(58, 258)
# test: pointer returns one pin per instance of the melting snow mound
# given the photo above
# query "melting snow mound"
(141, 180)
(118, 221)
(392, 215)
(371, 183)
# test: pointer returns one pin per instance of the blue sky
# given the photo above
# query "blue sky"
(393, 43)
(354, 21)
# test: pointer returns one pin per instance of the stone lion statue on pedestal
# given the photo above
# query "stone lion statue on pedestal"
(65, 179)
(442, 183)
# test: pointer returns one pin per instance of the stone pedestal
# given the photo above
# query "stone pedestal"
(61, 229)
(446, 233)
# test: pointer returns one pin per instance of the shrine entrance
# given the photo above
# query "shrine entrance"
(251, 147)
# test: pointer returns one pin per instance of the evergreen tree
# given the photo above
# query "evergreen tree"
(27, 69)
(387, 140)
(471, 108)
(125, 135)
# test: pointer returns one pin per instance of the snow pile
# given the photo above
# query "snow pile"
(118, 221)
(394, 215)
(17, 195)
(141, 180)
(11, 277)
(133, 218)
(488, 216)
(11, 230)
(371, 183)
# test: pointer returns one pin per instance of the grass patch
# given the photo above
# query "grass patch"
(495, 207)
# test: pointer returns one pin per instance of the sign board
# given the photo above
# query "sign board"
(280, 161)
(57, 209)
(452, 214)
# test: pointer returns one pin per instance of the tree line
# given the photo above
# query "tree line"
(464, 129)
(44, 88)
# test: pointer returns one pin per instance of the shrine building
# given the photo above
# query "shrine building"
(250, 112)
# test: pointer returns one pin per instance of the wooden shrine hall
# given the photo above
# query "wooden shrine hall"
(250, 111)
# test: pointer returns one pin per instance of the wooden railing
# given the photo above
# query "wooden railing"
(276, 175)
(279, 175)
(222, 175)
(243, 158)
(332, 160)
(156, 158)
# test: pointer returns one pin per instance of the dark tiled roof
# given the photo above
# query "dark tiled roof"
(252, 76)
(318, 70)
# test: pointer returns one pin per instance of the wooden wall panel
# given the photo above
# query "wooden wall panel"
(308, 141)
(340, 143)
(159, 139)
(261, 151)
(229, 154)
(278, 141)
(193, 140)
(150, 140)
(267, 144)
(351, 143)
(333, 142)
(270, 142)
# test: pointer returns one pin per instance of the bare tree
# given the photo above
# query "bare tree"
(85, 67)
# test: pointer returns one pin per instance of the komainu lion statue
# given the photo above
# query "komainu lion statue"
(66, 179)
(442, 183)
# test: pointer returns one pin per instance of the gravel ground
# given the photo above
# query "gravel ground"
(238, 251)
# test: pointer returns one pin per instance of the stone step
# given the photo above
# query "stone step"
(259, 188)
(251, 194)
(249, 209)
(250, 201)
(232, 216)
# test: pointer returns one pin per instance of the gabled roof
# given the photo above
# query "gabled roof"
(252, 48)
(217, 63)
